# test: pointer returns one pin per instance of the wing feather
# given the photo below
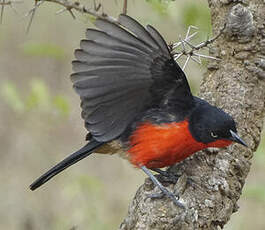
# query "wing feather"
(123, 35)
(122, 70)
(160, 40)
(136, 28)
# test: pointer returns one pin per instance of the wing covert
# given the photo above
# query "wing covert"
(120, 71)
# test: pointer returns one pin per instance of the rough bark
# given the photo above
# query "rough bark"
(212, 181)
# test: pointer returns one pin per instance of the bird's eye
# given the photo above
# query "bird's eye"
(214, 135)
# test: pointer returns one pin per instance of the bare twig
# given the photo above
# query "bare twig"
(188, 52)
(10, 3)
(186, 62)
(198, 60)
(69, 6)
(97, 7)
(72, 14)
(191, 54)
(206, 56)
(125, 5)
(4, 3)
(2, 11)
(32, 12)
(177, 44)
(61, 11)
(75, 5)
(209, 41)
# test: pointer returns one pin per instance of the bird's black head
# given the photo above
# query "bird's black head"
(209, 124)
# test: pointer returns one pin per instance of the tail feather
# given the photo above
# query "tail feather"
(67, 162)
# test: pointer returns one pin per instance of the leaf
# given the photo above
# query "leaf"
(39, 95)
(160, 6)
(43, 50)
(10, 94)
(197, 15)
(62, 105)
(86, 18)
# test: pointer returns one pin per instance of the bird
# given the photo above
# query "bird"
(136, 98)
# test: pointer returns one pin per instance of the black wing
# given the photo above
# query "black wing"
(122, 70)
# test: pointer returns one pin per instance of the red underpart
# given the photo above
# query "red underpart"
(158, 146)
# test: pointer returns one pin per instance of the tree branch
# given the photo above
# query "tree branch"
(69, 6)
(125, 5)
(211, 182)
(8, 3)
(76, 5)
(4, 3)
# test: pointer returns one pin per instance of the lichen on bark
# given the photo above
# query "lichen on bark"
(211, 181)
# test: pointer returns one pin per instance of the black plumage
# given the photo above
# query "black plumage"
(126, 76)
(122, 70)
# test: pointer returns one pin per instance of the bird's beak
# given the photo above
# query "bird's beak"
(237, 139)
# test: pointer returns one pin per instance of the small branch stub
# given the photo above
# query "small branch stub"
(240, 24)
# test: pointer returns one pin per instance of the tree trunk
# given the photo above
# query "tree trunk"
(212, 180)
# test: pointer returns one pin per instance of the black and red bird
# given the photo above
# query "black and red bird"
(135, 96)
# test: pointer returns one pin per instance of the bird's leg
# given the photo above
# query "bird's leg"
(166, 176)
(160, 171)
(163, 189)
(171, 178)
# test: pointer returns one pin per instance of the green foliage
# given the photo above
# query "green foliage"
(160, 6)
(62, 105)
(86, 18)
(11, 96)
(43, 50)
(39, 95)
(37, 98)
(197, 15)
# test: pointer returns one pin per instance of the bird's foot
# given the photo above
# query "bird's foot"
(170, 195)
(166, 176)
(164, 190)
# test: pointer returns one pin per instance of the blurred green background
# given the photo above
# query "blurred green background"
(40, 123)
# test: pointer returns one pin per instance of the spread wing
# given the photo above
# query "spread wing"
(120, 71)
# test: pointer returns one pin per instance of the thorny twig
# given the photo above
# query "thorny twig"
(69, 6)
(188, 52)
(10, 3)
(2, 11)
(32, 12)
(191, 54)
(125, 6)
(97, 6)
(76, 5)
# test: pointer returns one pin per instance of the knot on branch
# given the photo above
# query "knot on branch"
(240, 24)
(257, 68)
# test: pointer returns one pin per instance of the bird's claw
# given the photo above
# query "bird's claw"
(166, 176)
(172, 196)
(164, 191)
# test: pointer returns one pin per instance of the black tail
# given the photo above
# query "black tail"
(67, 162)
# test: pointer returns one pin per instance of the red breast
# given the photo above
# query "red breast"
(158, 146)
